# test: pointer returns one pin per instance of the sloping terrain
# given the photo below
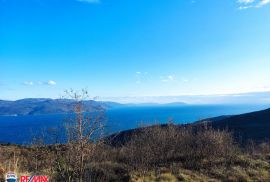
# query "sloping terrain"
(250, 126)
(48, 106)
(254, 126)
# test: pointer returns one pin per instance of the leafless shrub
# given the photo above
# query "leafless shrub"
(159, 146)
(83, 133)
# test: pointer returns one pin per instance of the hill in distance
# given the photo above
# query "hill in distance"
(250, 126)
(39, 106)
(48, 106)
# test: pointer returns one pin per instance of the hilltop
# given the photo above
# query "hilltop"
(38, 106)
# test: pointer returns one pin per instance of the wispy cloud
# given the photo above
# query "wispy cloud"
(168, 78)
(51, 82)
(28, 83)
(89, 1)
(247, 4)
(31, 83)
(263, 3)
(246, 1)
(173, 78)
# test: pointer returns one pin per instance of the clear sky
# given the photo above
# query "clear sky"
(117, 48)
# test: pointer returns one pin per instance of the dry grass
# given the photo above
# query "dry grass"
(155, 154)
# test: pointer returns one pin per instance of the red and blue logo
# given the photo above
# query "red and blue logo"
(34, 179)
(11, 177)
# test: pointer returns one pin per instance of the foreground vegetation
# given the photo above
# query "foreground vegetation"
(157, 153)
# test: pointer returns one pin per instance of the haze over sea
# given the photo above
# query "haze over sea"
(21, 129)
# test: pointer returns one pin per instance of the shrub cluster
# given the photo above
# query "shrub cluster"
(156, 152)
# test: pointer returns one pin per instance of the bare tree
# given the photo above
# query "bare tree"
(83, 131)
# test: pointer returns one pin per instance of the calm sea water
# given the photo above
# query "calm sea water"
(21, 129)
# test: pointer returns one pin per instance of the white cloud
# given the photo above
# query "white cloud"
(28, 83)
(89, 1)
(247, 4)
(263, 3)
(244, 7)
(172, 78)
(51, 82)
(246, 1)
(168, 78)
(31, 83)
(138, 72)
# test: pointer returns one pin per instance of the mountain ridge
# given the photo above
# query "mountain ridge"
(39, 106)
(252, 126)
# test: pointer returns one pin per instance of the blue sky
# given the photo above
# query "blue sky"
(118, 48)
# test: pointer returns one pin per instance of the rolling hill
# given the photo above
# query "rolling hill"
(254, 125)
(48, 106)
(250, 126)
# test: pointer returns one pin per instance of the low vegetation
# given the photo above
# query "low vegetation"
(157, 153)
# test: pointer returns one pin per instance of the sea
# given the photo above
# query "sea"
(23, 129)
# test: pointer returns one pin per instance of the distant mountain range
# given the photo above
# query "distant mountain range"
(253, 126)
(157, 104)
(48, 106)
(38, 106)
(237, 98)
